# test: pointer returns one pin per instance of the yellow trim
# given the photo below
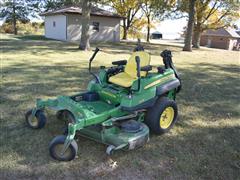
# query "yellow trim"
(108, 94)
(159, 81)
(166, 118)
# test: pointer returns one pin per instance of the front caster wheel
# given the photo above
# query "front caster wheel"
(110, 149)
(36, 122)
(56, 148)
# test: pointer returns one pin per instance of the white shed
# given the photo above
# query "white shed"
(65, 24)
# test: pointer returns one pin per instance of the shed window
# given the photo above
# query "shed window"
(54, 24)
(96, 26)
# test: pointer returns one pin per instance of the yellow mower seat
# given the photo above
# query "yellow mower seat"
(126, 78)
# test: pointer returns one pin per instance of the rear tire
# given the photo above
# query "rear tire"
(162, 116)
(56, 146)
(36, 122)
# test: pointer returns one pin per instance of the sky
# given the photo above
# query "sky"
(171, 29)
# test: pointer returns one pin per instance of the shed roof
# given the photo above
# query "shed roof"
(223, 33)
(156, 32)
(95, 11)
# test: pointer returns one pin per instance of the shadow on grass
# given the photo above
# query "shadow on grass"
(36, 45)
(33, 37)
(49, 80)
(212, 89)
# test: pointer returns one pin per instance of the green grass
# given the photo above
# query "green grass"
(204, 144)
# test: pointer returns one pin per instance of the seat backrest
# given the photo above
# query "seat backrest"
(131, 66)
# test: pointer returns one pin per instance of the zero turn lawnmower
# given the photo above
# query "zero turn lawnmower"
(118, 108)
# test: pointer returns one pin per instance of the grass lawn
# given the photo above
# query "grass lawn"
(204, 144)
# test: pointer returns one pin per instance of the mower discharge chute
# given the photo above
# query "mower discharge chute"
(119, 107)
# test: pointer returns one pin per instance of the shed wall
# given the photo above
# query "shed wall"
(109, 28)
(215, 42)
(55, 27)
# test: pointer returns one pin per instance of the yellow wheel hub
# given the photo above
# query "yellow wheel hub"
(166, 118)
(33, 121)
(58, 150)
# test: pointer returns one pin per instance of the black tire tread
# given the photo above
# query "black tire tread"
(60, 140)
(153, 115)
(42, 119)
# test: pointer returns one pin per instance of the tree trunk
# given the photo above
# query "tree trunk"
(125, 31)
(148, 28)
(188, 36)
(197, 36)
(14, 19)
(85, 36)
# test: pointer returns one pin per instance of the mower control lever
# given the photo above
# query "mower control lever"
(94, 54)
(138, 66)
(92, 58)
(137, 58)
(90, 65)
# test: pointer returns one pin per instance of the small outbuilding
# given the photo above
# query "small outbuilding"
(156, 35)
(220, 38)
(65, 24)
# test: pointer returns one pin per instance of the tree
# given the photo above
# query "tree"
(16, 11)
(156, 8)
(213, 14)
(56, 4)
(135, 31)
(188, 36)
(53, 4)
(127, 9)
(85, 36)
(147, 8)
(20, 10)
